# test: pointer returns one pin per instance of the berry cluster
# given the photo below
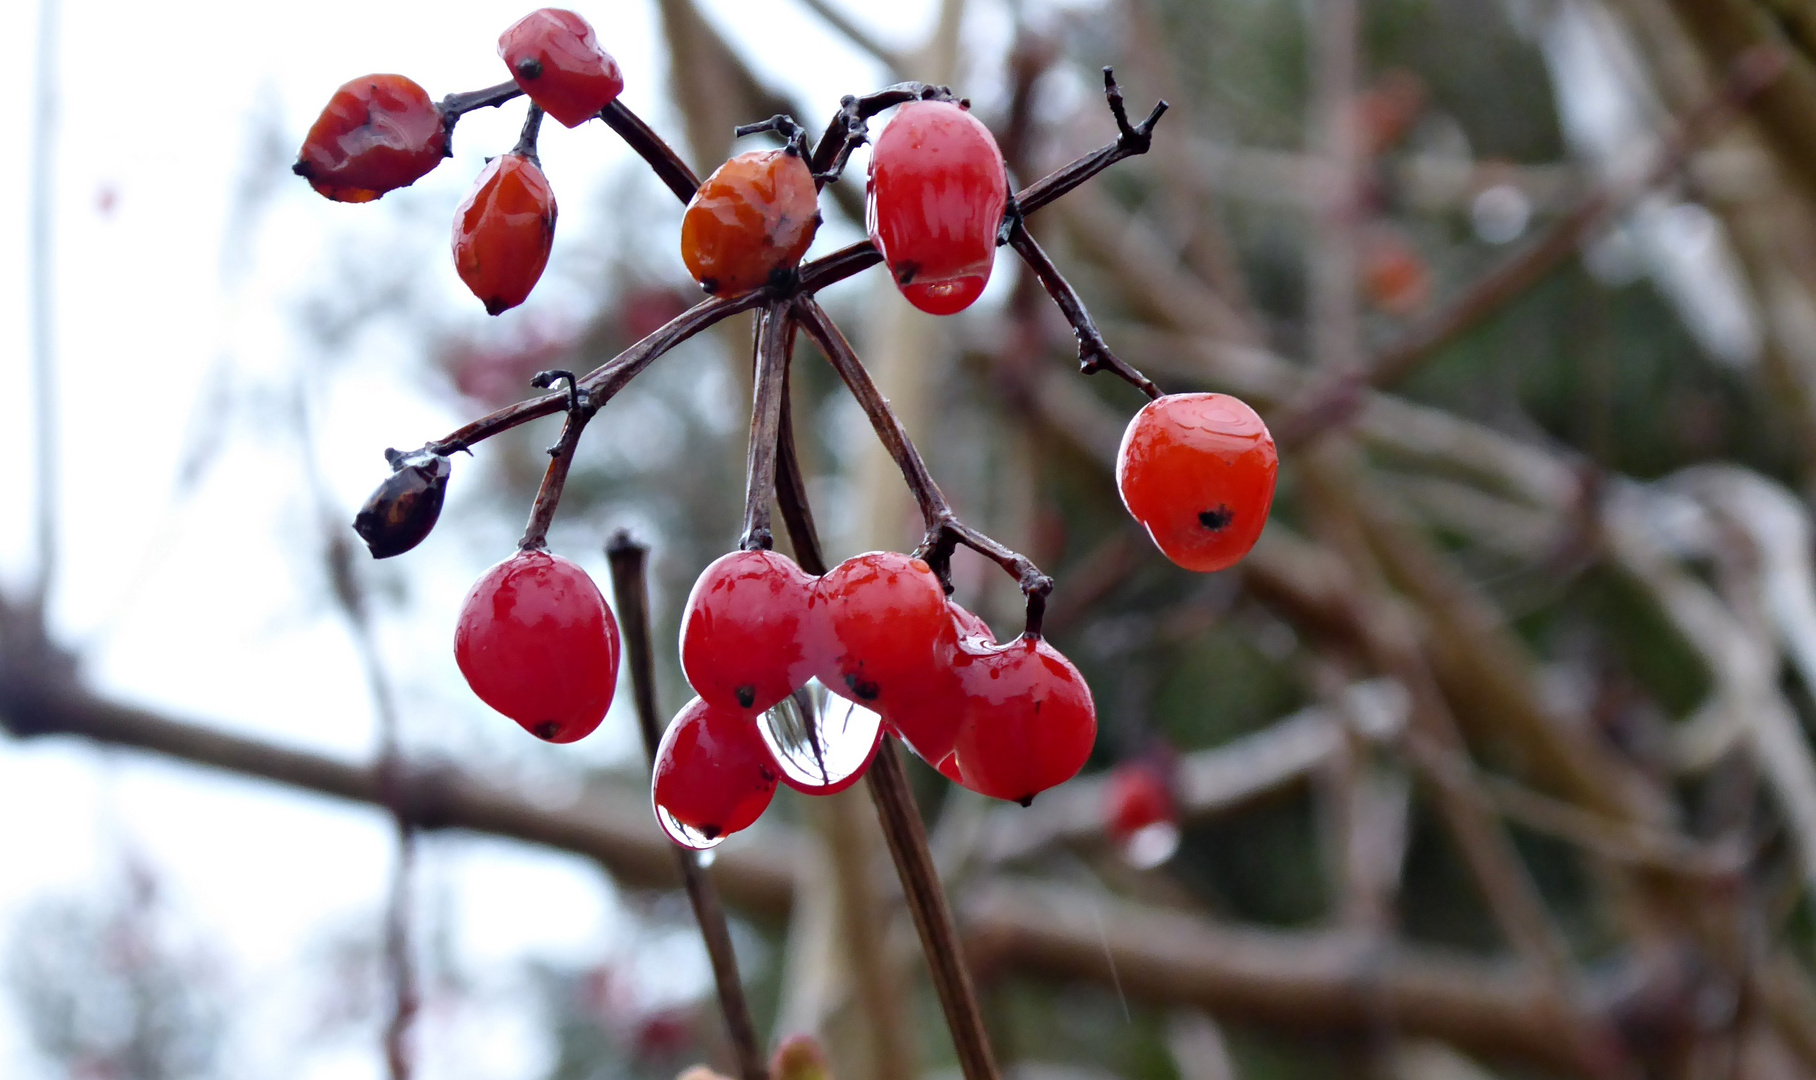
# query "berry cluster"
(799, 674)
(767, 645)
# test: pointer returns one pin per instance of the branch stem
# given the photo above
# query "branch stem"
(770, 384)
(1094, 353)
(652, 149)
(581, 408)
(907, 840)
(629, 561)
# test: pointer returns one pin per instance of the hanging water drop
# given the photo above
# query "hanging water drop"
(821, 742)
(1150, 845)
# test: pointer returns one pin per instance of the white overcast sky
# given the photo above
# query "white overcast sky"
(209, 607)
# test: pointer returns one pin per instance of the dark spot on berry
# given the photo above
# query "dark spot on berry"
(1217, 520)
(711, 832)
(530, 67)
(747, 695)
(303, 170)
(1026, 801)
(547, 730)
(862, 688)
(906, 272)
(710, 285)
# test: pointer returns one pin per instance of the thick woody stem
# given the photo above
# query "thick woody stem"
(907, 840)
(581, 408)
(1094, 354)
(652, 149)
(770, 383)
(629, 560)
(901, 821)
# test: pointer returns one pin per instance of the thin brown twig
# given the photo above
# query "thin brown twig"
(581, 408)
(652, 148)
(1094, 353)
(629, 560)
(944, 530)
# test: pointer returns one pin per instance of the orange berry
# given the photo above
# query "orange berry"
(503, 232)
(753, 217)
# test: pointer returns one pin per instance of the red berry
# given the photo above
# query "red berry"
(378, 133)
(556, 59)
(881, 615)
(536, 642)
(937, 190)
(753, 218)
(746, 631)
(713, 775)
(1137, 796)
(1140, 816)
(503, 232)
(1029, 722)
(1197, 470)
(928, 717)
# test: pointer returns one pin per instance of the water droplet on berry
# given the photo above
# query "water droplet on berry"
(685, 835)
(1150, 845)
(821, 742)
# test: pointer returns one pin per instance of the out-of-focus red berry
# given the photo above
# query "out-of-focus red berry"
(503, 232)
(556, 59)
(936, 196)
(1029, 721)
(753, 217)
(927, 716)
(881, 616)
(1197, 470)
(1137, 796)
(1394, 276)
(536, 642)
(745, 631)
(1386, 111)
(378, 133)
(713, 776)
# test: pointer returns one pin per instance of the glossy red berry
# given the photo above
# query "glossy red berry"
(1197, 470)
(536, 642)
(556, 59)
(378, 133)
(881, 616)
(503, 232)
(937, 190)
(713, 776)
(928, 716)
(746, 632)
(752, 219)
(1029, 721)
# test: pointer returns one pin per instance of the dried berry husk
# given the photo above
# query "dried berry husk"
(402, 511)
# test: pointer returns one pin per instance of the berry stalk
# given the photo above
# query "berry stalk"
(657, 154)
(771, 383)
(629, 561)
(581, 408)
(1094, 353)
